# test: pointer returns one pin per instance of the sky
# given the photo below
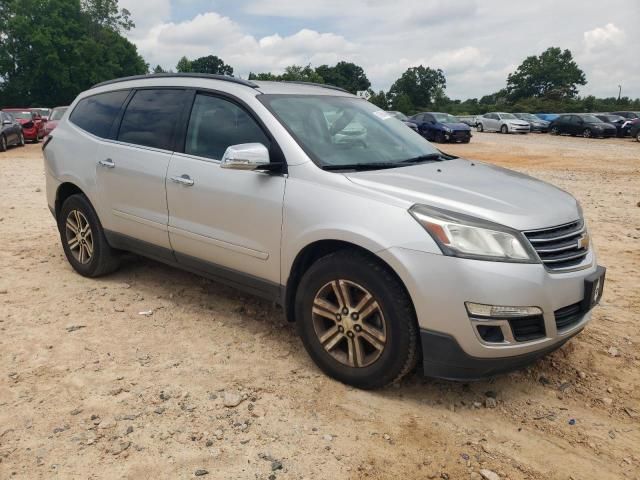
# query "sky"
(476, 42)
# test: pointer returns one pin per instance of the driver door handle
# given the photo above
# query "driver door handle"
(183, 180)
(107, 163)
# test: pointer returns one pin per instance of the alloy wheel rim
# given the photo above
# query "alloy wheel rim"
(79, 236)
(586, 133)
(349, 323)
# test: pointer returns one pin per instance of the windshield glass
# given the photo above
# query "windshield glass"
(445, 118)
(57, 113)
(398, 115)
(528, 116)
(510, 116)
(591, 119)
(21, 115)
(43, 111)
(336, 131)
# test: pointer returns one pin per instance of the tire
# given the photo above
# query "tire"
(92, 256)
(555, 131)
(3, 143)
(638, 136)
(440, 137)
(504, 129)
(21, 140)
(390, 317)
(586, 133)
(479, 127)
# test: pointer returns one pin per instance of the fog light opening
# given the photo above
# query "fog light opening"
(490, 333)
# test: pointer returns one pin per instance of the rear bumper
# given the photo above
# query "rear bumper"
(442, 357)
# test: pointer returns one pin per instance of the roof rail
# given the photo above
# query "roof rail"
(322, 85)
(209, 76)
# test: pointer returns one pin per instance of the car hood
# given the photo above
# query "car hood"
(474, 188)
(512, 121)
(456, 126)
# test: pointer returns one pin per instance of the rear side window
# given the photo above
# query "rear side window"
(151, 118)
(97, 113)
(216, 123)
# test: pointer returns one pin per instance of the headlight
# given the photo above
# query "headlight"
(464, 236)
(447, 129)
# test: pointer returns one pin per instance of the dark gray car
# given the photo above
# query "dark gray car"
(10, 132)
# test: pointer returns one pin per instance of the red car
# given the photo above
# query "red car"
(54, 117)
(31, 121)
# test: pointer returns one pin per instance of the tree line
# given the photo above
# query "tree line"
(51, 50)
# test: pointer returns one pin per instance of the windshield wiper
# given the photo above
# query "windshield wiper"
(431, 157)
(362, 166)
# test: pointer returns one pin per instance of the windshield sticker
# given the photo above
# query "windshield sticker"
(382, 115)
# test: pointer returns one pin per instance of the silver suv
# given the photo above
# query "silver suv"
(385, 251)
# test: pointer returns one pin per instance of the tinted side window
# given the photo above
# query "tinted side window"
(151, 117)
(96, 114)
(216, 123)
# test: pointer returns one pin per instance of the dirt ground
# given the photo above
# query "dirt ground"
(90, 388)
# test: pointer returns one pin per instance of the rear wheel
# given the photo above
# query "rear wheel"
(504, 129)
(479, 127)
(21, 140)
(356, 320)
(83, 240)
(3, 143)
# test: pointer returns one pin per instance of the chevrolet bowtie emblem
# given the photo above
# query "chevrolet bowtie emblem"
(583, 241)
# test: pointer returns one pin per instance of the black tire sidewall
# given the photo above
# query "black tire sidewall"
(3, 143)
(395, 310)
(100, 246)
(504, 129)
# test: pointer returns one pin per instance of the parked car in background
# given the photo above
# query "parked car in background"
(54, 118)
(549, 117)
(536, 124)
(44, 112)
(10, 131)
(467, 119)
(404, 119)
(441, 127)
(584, 124)
(635, 131)
(501, 122)
(385, 254)
(31, 121)
(622, 124)
(627, 114)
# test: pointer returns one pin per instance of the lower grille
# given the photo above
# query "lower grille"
(561, 247)
(568, 316)
(526, 329)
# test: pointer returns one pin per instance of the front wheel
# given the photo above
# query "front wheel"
(440, 138)
(638, 136)
(504, 129)
(83, 239)
(587, 133)
(356, 320)
(555, 131)
(3, 143)
(21, 140)
(479, 127)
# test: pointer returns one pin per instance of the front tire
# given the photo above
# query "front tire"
(504, 129)
(83, 239)
(21, 140)
(3, 143)
(440, 137)
(479, 127)
(555, 131)
(638, 136)
(356, 320)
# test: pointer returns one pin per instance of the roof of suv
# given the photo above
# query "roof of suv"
(267, 87)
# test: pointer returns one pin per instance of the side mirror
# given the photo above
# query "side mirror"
(246, 156)
(7, 122)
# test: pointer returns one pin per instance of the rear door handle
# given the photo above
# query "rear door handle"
(107, 162)
(183, 180)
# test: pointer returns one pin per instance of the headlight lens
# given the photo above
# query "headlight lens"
(463, 236)
(447, 129)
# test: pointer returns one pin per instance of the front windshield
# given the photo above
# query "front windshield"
(336, 131)
(399, 115)
(510, 116)
(591, 119)
(57, 113)
(43, 111)
(445, 118)
(21, 115)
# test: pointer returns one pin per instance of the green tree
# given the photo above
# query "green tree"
(345, 75)
(292, 73)
(263, 76)
(106, 14)
(210, 64)
(184, 65)
(552, 74)
(402, 103)
(379, 99)
(420, 84)
(75, 49)
(159, 69)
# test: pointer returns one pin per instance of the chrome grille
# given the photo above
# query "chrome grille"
(562, 247)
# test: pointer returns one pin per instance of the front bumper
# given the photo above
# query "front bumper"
(458, 136)
(440, 285)
(518, 129)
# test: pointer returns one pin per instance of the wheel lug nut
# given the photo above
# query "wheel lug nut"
(354, 316)
(338, 317)
(350, 334)
(358, 328)
(340, 329)
(345, 311)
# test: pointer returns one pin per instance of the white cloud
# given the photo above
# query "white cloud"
(604, 37)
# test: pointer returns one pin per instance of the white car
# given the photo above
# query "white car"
(385, 251)
(501, 122)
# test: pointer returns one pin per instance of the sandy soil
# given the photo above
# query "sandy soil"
(89, 388)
